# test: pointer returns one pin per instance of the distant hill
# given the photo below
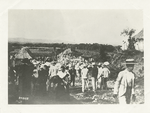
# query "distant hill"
(25, 40)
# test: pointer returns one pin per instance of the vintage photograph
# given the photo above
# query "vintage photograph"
(75, 56)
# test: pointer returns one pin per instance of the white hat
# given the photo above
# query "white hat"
(89, 65)
(106, 63)
(53, 62)
(93, 63)
(130, 61)
(99, 63)
(42, 66)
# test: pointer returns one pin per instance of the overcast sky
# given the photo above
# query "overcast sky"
(76, 26)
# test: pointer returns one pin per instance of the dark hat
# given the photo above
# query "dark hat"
(63, 67)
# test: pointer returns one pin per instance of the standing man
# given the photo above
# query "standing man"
(99, 77)
(64, 75)
(25, 72)
(84, 73)
(72, 72)
(94, 76)
(52, 72)
(105, 75)
(43, 74)
(124, 85)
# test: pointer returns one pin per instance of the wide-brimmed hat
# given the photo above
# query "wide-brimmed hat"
(106, 63)
(53, 62)
(130, 61)
(93, 63)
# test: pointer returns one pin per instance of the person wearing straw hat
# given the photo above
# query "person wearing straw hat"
(124, 85)
(105, 74)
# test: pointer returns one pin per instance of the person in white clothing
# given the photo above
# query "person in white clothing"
(64, 75)
(124, 85)
(52, 72)
(84, 73)
(99, 77)
(105, 75)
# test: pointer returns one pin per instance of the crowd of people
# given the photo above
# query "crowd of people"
(46, 76)
(32, 77)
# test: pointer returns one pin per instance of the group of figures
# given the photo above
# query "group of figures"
(32, 77)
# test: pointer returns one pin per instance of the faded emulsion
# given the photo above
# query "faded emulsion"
(75, 56)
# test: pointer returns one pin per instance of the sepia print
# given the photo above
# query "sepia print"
(75, 56)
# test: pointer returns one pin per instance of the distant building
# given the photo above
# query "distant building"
(24, 53)
(139, 45)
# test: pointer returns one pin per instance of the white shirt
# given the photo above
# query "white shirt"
(62, 74)
(100, 70)
(105, 72)
(47, 64)
(124, 80)
(77, 66)
(53, 70)
(84, 72)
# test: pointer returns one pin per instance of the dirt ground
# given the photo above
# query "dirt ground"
(88, 97)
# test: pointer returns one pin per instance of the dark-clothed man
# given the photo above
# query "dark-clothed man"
(64, 75)
(94, 76)
(43, 74)
(25, 72)
(72, 73)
